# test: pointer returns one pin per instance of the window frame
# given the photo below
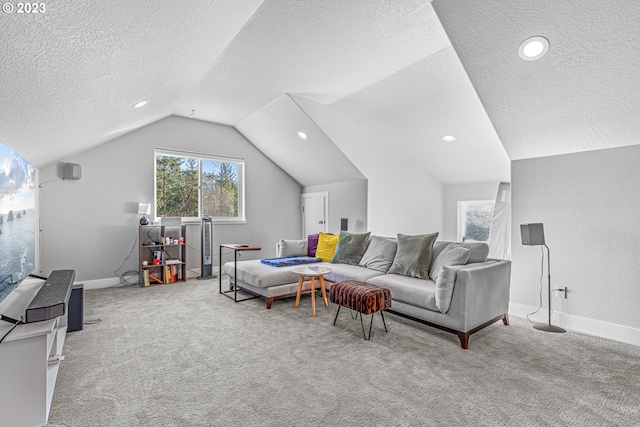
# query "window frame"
(200, 157)
(461, 209)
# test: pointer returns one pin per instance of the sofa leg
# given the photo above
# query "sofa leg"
(505, 319)
(269, 301)
(464, 339)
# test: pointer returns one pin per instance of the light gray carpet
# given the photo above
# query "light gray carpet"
(183, 355)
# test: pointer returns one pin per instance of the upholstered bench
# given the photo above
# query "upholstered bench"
(361, 298)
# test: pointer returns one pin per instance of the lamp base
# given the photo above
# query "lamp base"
(548, 328)
(144, 220)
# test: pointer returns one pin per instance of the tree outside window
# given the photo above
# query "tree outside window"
(194, 186)
(474, 220)
(219, 189)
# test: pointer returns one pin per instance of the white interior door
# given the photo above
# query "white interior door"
(315, 211)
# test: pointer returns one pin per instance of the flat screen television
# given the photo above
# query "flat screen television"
(17, 220)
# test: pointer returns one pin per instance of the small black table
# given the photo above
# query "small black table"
(235, 247)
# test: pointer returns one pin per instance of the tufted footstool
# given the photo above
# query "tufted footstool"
(362, 298)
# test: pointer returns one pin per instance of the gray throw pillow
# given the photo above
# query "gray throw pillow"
(413, 257)
(380, 253)
(453, 254)
(350, 248)
(291, 248)
(444, 288)
(479, 251)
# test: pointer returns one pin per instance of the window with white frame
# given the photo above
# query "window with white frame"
(191, 185)
(474, 219)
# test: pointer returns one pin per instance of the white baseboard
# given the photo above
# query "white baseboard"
(110, 282)
(101, 283)
(581, 324)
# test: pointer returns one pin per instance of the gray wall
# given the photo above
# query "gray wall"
(346, 200)
(590, 206)
(90, 225)
(402, 195)
(404, 200)
(463, 192)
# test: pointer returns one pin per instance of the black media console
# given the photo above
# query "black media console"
(53, 298)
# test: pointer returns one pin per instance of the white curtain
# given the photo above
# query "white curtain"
(500, 235)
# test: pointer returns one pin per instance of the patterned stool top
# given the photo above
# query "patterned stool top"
(360, 296)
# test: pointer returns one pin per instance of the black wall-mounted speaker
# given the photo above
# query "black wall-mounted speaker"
(71, 171)
(532, 234)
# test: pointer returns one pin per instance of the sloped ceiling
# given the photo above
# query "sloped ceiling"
(71, 75)
(314, 161)
(582, 95)
(323, 50)
(387, 67)
(411, 110)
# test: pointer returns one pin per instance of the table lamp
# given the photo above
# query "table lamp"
(144, 209)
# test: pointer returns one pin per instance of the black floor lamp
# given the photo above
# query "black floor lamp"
(533, 235)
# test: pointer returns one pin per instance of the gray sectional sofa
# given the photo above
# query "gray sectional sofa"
(463, 292)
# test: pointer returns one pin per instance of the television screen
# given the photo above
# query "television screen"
(17, 220)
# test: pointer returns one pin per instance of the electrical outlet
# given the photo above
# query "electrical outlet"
(561, 292)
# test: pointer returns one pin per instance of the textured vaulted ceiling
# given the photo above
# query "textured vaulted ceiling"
(582, 95)
(323, 50)
(314, 161)
(71, 75)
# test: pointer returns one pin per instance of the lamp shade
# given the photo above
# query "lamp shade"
(144, 208)
(532, 234)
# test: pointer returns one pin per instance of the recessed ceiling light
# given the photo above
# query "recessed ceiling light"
(448, 138)
(533, 48)
(140, 104)
(302, 135)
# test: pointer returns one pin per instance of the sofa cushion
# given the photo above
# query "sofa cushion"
(409, 290)
(350, 248)
(479, 251)
(439, 246)
(312, 244)
(444, 288)
(453, 254)
(413, 256)
(380, 253)
(287, 248)
(341, 272)
(261, 275)
(326, 246)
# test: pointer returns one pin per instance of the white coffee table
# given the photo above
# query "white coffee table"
(312, 272)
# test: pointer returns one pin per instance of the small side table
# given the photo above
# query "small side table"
(312, 272)
(235, 247)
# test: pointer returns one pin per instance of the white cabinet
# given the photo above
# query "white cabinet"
(29, 361)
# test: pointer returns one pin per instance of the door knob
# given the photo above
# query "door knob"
(321, 222)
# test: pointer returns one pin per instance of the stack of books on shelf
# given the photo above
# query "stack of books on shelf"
(166, 270)
(171, 271)
(150, 278)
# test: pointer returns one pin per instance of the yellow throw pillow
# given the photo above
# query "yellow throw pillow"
(326, 246)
